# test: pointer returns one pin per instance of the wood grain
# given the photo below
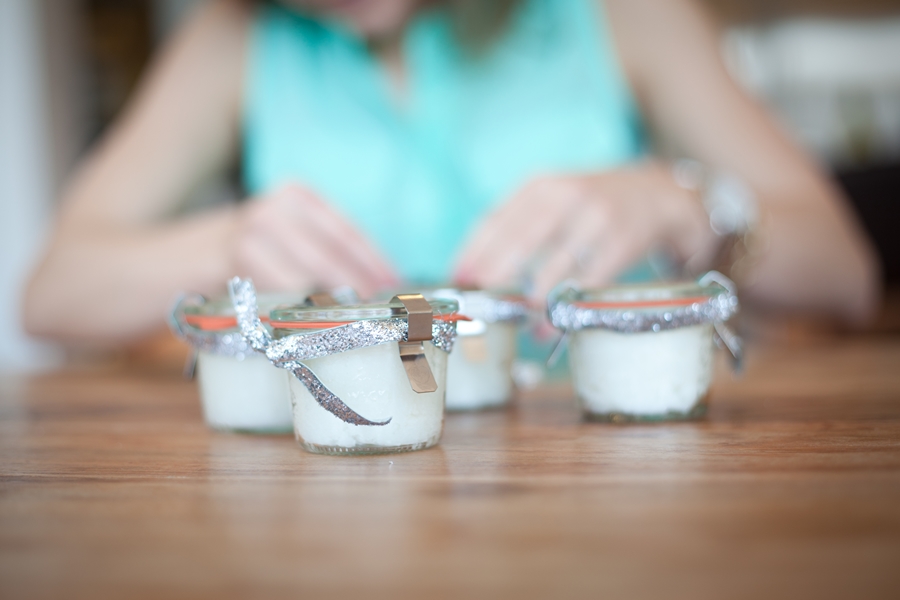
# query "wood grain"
(111, 486)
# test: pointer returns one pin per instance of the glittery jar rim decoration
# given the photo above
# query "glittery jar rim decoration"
(223, 342)
(642, 308)
(358, 334)
(483, 305)
(479, 305)
(285, 318)
(289, 352)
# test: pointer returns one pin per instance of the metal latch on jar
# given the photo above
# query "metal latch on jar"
(724, 336)
(419, 316)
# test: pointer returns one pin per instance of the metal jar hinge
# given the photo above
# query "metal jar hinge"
(419, 316)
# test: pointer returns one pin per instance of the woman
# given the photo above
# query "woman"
(384, 140)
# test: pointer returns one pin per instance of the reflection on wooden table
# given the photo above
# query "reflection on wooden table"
(110, 485)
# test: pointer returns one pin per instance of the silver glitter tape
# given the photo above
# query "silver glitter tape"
(359, 334)
(246, 309)
(288, 352)
(328, 400)
(223, 343)
(500, 310)
(567, 315)
(484, 306)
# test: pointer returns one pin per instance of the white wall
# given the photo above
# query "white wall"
(25, 176)
(835, 84)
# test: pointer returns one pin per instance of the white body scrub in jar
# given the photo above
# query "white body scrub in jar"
(239, 389)
(479, 370)
(365, 379)
(646, 352)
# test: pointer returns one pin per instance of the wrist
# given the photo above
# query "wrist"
(733, 217)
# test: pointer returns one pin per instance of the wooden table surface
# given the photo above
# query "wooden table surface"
(111, 486)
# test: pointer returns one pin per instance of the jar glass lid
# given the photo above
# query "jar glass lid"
(407, 320)
(219, 315)
(305, 317)
(648, 307)
(482, 305)
(211, 325)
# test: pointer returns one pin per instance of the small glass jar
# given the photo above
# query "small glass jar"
(361, 384)
(239, 389)
(645, 352)
(479, 370)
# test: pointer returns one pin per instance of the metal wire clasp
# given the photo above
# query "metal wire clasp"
(419, 317)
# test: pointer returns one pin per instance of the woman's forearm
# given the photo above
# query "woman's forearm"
(816, 263)
(110, 286)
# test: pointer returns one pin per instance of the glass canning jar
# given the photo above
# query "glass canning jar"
(239, 389)
(479, 370)
(366, 379)
(645, 352)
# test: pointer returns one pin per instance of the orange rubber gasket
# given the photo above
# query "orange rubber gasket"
(643, 303)
(451, 318)
(214, 322)
(222, 322)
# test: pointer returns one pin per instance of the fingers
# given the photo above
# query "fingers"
(345, 242)
(592, 227)
(512, 239)
(257, 257)
(616, 253)
(576, 251)
(335, 230)
(599, 246)
(476, 248)
(291, 240)
(321, 260)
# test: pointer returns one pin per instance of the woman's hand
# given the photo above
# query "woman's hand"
(589, 227)
(292, 240)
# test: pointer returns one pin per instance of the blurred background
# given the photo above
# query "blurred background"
(828, 69)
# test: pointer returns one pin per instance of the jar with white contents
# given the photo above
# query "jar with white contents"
(366, 379)
(479, 370)
(239, 389)
(645, 352)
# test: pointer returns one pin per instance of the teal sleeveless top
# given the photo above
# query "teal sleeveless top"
(417, 175)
